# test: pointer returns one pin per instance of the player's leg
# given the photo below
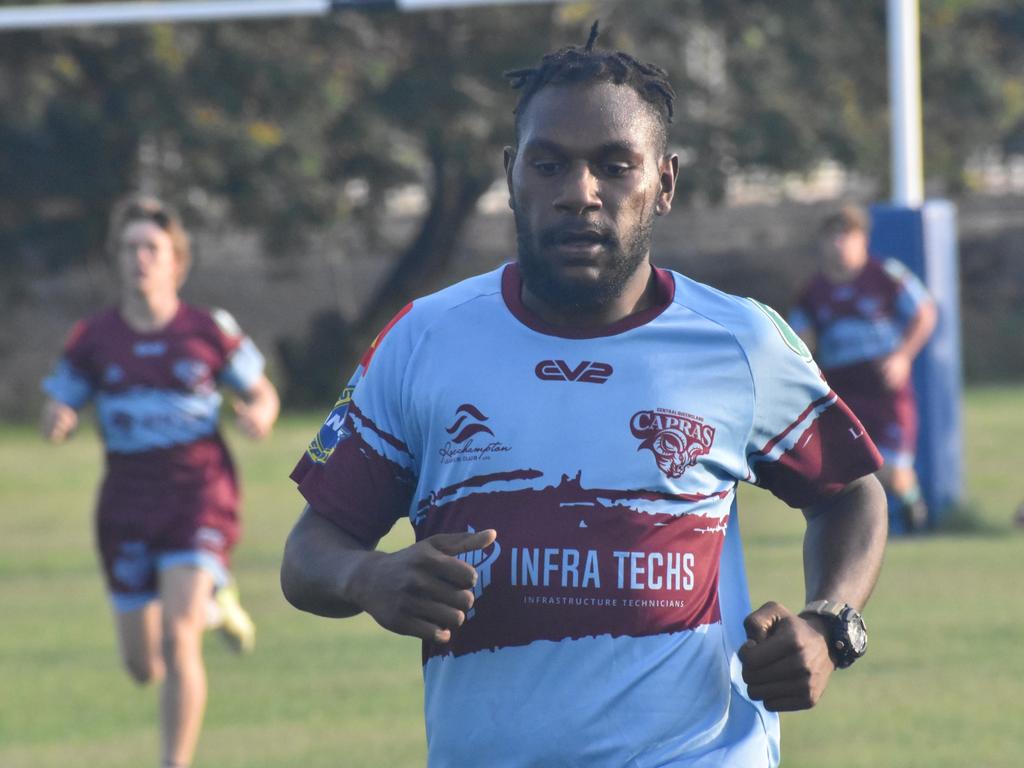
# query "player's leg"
(184, 592)
(213, 542)
(906, 504)
(139, 638)
(231, 620)
(899, 454)
(130, 573)
(891, 420)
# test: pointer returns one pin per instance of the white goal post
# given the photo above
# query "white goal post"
(22, 17)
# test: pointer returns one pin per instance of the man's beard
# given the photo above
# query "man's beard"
(623, 259)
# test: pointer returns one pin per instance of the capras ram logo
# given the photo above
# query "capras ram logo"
(587, 371)
(676, 439)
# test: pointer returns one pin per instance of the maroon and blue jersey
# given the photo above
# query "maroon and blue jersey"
(609, 610)
(857, 324)
(863, 319)
(157, 402)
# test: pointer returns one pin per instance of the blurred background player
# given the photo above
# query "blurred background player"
(866, 321)
(167, 512)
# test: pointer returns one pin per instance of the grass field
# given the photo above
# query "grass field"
(943, 684)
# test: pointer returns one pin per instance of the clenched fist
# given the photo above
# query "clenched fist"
(785, 660)
(422, 590)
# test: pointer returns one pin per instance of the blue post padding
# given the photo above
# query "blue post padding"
(925, 240)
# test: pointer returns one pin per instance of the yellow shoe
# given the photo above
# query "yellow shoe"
(235, 626)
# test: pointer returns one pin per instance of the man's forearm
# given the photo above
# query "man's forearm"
(919, 330)
(320, 567)
(845, 542)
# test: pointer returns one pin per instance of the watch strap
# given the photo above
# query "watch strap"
(824, 608)
(839, 640)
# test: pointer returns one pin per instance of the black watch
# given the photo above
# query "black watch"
(847, 635)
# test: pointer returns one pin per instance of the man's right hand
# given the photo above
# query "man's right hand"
(58, 421)
(422, 590)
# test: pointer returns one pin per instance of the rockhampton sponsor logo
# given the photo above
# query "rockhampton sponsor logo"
(482, 560)
(587, 372)
(467, 443)
(676, 439)
(460, 430)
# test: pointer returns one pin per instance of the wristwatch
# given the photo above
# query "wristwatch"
(847, 635)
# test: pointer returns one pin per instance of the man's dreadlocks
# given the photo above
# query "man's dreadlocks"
(576, 64)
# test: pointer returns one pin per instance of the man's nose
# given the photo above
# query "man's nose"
(138, 254)
(580, 191)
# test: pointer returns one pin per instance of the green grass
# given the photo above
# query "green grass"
(942, 685)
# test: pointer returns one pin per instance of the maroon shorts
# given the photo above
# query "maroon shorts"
(144, 527)
(889, 416)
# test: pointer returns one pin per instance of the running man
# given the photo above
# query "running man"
(866, 321)
(167, 516)
(566, 435)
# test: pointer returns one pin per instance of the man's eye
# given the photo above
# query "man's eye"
(547, 168)
(617, 169)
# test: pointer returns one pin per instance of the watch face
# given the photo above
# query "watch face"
(856, 631)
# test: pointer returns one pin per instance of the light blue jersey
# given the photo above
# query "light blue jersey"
(609, 611)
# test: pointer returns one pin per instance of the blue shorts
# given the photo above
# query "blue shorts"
(137, 566)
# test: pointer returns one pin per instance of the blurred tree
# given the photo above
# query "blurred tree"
(439, 116)
(781, 85)
(273, 125)
(261, 125)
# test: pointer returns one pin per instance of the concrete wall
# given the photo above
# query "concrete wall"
(759, 251)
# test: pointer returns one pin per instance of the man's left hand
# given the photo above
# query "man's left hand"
(785, 659)
(254, 420)
(896, 370)
(256, 413)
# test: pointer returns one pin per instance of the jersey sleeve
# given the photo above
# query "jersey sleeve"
(70, 382)
(359, 471)
(911, 294)
(805, 443)
(244, 362)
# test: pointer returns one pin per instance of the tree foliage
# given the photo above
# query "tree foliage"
(269, 125)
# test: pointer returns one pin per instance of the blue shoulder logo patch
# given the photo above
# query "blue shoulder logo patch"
(333, 430)
(789, 336)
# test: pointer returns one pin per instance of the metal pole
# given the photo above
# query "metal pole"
(422, 5)
(905, 102)
(120, 14)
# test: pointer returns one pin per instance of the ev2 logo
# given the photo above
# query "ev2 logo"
(587, 371)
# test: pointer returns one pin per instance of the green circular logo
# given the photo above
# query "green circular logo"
(793, 341)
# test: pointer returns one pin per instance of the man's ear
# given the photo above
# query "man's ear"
(668, 168)
(510, 161)
(509, 165)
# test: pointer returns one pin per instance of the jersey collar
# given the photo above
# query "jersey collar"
(511, 292)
